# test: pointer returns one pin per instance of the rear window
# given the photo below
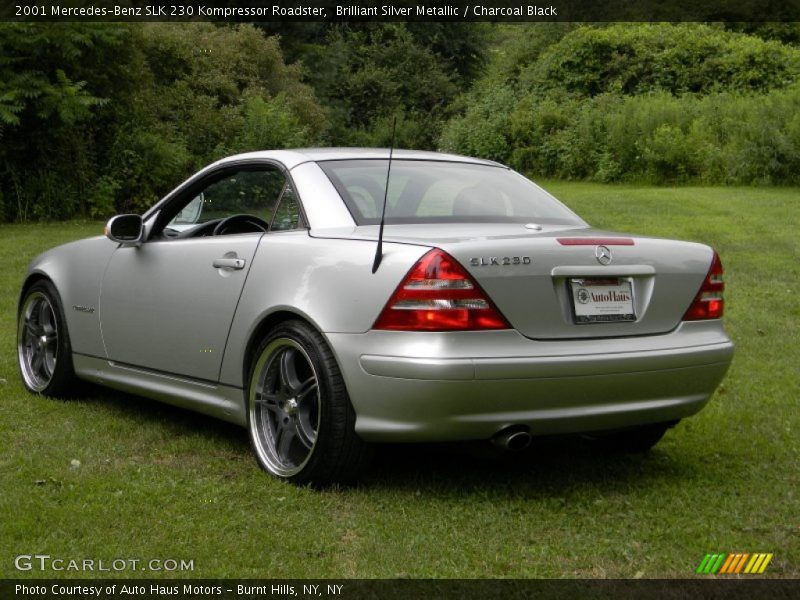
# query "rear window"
(422, 191)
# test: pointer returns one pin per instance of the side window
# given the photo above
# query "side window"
(288, 214)
(246, 192)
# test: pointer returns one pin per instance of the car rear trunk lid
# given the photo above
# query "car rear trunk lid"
(586, 283)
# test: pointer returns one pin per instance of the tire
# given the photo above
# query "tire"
(299, 416)
(44, 353)
(636, 440)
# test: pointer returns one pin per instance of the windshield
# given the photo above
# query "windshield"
(422, 191)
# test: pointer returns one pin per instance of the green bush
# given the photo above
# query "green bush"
(654, 102)
(55, 79)
(145, 164)
(724, 137)
(102, 197)
(484, 130)
(720, 138)
(86, 135)
(679, 58)
(206, 92)
(373, 73)
(270, 123)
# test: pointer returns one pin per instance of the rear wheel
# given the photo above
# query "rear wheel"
(301, 422)
(634, 440)
(43, 349)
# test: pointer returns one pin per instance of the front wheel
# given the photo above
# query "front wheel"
(43, 349)
(301, 422)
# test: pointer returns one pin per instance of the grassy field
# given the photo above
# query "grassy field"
(157, 482)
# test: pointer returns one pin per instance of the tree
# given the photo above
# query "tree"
(51, 90)
(85, 135)
(369, 73)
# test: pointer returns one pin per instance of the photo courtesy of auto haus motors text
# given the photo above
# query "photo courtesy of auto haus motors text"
(183, 590)
(352, 300)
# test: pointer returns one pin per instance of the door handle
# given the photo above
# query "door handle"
(228, 263)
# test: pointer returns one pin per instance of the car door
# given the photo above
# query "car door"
(167, 304)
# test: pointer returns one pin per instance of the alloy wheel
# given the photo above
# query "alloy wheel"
(284, 407)
(37, 341)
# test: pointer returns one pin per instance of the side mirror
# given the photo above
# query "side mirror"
(125, 229)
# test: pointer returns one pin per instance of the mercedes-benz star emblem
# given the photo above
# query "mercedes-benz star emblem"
(603, 255)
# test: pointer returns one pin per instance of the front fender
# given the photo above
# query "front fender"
(76, 270)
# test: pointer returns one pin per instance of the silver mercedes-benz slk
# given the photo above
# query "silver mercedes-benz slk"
(326, 299)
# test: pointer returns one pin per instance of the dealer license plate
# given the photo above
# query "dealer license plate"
(597, 300)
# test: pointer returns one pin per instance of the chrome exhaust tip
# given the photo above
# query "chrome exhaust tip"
(513, 439)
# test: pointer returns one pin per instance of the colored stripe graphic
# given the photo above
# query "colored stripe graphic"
(764, 564)
(703, 563)
(740, 564)
(717, 564)
(710, 563)
(727, 564)
(733, 564)
(756, 558)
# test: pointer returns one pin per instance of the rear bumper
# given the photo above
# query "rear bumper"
(470, 385)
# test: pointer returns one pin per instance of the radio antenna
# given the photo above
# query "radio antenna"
(379, 250)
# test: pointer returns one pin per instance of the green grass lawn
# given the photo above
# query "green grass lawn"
(159, 482)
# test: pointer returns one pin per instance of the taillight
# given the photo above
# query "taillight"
(709, 303)
(438, 294)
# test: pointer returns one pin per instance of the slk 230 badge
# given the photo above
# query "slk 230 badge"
(499, 261)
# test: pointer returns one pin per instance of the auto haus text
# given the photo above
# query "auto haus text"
(121, 589)
(446, 10)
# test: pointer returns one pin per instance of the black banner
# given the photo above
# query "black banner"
(390, 589)
(399, 10)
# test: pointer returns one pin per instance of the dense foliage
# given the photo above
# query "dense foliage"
(98, 118)
(367, 74)
(102, 118)
(54, 86)
(687, 58)
(659, 103)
